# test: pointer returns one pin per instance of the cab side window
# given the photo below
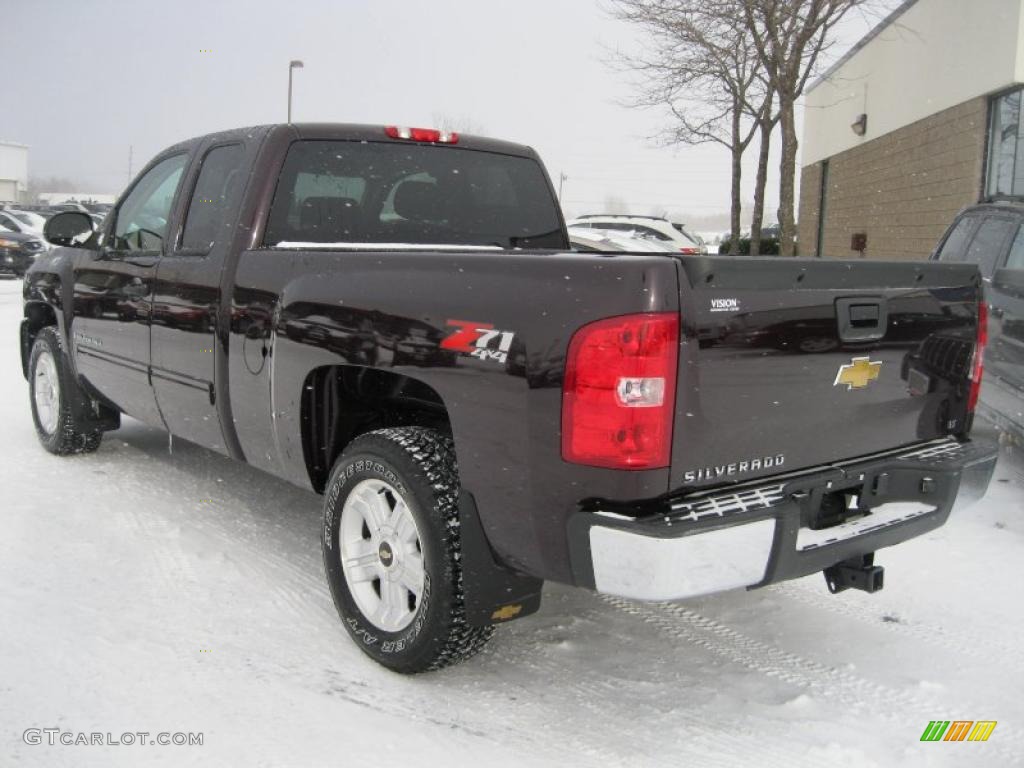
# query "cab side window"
(987, 246)
(142, 219)
(216, 192)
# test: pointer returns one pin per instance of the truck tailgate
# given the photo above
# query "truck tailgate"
(791, 363)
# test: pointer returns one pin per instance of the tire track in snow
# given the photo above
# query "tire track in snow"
(980, 646)
(850, 691)
(598, 696)
(690, 626)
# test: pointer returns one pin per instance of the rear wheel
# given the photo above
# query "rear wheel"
(51, 387)
(392, 550)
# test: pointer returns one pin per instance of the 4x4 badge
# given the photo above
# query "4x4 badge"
(858, 373)
(479, 340)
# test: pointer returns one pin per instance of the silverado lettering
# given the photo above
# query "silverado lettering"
(733, 468)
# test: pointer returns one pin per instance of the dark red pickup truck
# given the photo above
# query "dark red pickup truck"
(393, 317)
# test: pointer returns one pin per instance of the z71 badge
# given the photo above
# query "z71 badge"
(479, 340)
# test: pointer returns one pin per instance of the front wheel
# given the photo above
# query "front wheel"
(392, 550)
(51, 386)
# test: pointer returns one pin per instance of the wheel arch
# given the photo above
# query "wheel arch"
(341, 402)
(38, 315)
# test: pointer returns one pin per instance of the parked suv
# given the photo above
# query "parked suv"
(991, 235)
(652, 227)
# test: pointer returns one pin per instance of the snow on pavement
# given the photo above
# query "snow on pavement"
(182, 592)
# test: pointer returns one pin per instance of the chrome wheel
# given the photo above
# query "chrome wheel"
(381, 555)
(46, 392)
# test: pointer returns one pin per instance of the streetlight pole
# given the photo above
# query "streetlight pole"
(561, 179)
(292, 66)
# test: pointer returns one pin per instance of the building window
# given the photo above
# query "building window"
(1005, 175)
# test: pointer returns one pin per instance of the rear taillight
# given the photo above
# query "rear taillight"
(422, 134)
(978, 359)
(690, 251)
(618, 395)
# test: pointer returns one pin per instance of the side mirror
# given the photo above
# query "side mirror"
(69, 228)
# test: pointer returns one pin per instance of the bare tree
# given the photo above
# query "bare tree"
(40, 184)
(790, 37)
(767, 118)
(461, 124)
(702, 66)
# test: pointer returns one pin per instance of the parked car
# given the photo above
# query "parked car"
(992, 237)
(18, 250)
(611, 241)
(393, 318)
(40, 210)
(69, 206)
(22, 221)
(652, 227)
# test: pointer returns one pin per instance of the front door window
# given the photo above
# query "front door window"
(142, 219)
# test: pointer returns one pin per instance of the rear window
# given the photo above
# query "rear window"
(366, 193)
(639, 230)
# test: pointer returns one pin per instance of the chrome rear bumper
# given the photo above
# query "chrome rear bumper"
(753, 535)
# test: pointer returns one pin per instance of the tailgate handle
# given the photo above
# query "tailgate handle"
(862, 318)
(864, 315)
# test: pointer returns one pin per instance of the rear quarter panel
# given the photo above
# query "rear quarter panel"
(390, 310)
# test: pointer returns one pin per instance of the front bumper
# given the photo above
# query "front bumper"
(753, 535)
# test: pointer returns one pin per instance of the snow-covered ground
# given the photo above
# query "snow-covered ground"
(148, 591)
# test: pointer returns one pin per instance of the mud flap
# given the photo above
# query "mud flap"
(494, 592)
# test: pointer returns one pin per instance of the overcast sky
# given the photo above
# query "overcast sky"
(86, 80)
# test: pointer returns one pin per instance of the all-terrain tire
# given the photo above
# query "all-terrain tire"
(59, 431)
(417, 464)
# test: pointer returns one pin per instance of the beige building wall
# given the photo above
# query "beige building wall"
(929, 56)
(902, 189)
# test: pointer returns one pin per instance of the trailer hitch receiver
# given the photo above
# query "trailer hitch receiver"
(856, 573)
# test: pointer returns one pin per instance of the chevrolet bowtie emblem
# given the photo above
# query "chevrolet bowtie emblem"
(858, 373)
(506, 612)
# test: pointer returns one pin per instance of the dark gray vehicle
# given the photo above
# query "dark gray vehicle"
(18, 250)
(992, 236)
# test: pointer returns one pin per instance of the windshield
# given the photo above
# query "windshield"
(354, 194)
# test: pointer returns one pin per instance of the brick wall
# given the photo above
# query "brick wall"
(902, 189)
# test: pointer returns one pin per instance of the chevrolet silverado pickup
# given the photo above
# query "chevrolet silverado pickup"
(393, 317)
